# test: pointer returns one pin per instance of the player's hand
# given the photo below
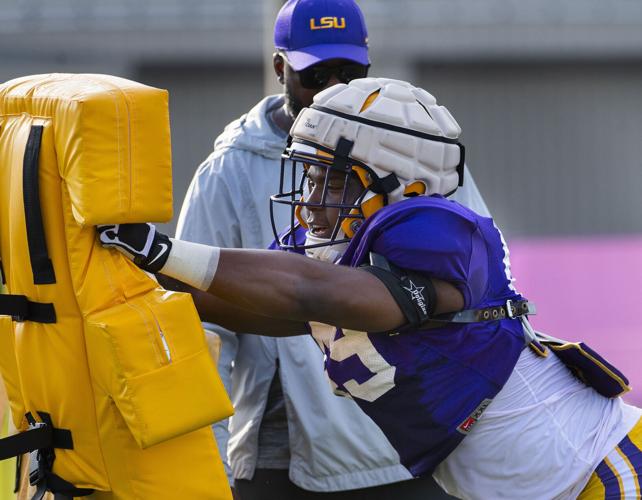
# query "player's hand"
(142, 243)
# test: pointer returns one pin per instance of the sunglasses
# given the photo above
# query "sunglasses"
(316, 77)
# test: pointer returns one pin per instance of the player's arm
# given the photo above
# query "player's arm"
(285, 285)
(216, 310)
(277, 285)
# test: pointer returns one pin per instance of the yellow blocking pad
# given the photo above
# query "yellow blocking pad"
(159, 365)
(112, 142)
(124, 367)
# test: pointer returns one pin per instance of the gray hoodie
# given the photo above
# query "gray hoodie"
(333, 445)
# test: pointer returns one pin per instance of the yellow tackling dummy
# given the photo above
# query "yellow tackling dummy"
(116, 368)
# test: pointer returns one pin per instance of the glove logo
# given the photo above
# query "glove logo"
(163, 251)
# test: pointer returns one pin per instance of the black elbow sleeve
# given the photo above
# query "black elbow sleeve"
(414, 293)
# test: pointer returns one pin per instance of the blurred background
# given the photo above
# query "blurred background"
(548, 93)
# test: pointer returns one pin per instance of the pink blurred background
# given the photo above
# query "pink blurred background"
(587, 289)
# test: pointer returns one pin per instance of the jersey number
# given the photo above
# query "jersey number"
(358, 344)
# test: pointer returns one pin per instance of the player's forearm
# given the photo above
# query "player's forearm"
(290, 286)
(283, 286)
(266, 282)
(295, 289)
(216, 310)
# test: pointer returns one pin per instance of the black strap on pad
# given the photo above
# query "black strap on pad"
(20, 308)
(40, 441)
(40, 435)
(41, 266)
(414, 293)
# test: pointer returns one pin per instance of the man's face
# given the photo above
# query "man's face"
(301, 87)
(321, 221)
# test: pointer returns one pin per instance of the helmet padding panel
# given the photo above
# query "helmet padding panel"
(409, 157)
(399, 104)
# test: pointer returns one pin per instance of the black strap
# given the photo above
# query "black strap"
(41, 266)
(407, 289)
(462, 162)
(511, 310)
(384, 185)
(20, 308)
(62, 490)
(342, 153)
(40, 436)
(16, 483)
(40, 440)
(414, 293)
(3, 280)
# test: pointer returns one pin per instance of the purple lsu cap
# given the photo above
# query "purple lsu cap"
(311, 31)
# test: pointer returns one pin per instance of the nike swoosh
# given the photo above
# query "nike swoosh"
(160, 254)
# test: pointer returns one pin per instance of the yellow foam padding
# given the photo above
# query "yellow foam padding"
(157, 366)
(9, 372)
(325, 158)
(415, 188)
(368, 207)
(112, 142)
(125, 366)
(298, 213)
(369, 100)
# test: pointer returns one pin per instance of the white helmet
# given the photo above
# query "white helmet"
(393, 135)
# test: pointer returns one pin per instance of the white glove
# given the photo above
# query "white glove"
(141, 243)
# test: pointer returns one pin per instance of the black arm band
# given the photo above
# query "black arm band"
(414, 293)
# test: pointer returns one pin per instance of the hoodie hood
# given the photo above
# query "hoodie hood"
(254, 132)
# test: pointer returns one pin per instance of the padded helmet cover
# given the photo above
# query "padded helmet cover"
(396, 128)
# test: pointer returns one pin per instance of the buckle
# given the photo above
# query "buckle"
(37, 458)
(36, 472)
(509, 309)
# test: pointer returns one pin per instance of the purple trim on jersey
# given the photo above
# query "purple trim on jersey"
(632, 453)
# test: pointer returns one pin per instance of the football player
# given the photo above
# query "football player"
(411, 299)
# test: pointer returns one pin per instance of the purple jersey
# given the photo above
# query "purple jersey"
(426, 388)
